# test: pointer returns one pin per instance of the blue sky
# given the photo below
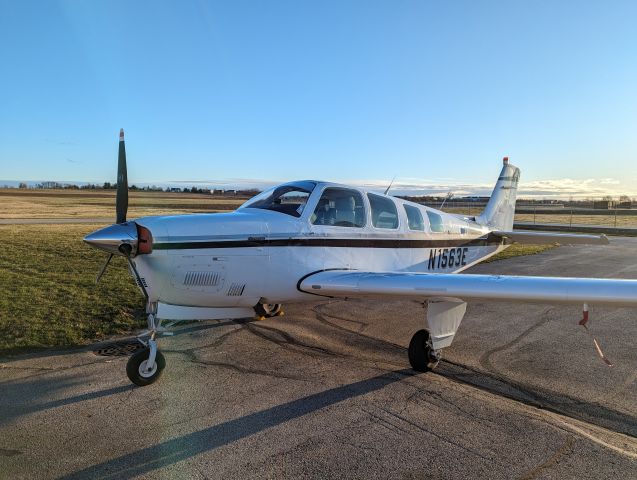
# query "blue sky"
(429, 92)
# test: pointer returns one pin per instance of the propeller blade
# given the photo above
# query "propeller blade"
(121, 201)
(99, 275)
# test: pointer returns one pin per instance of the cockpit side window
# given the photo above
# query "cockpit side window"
(339, 207)
(384, 213)
(414, 218)
(435, 222)
(289, 198)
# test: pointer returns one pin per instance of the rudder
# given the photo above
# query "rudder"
(500, 210)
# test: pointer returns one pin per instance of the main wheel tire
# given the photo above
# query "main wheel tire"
(420, 354)
(136, 368)
(268, 309)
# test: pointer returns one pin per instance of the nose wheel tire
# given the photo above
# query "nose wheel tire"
(138, 371)
(422, 356)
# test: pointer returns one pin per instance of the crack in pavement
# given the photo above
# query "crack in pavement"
(44, 371)
(386, 423)
(318, 311)
(549, 463)
(192, 358)
(441, 437)
(7, 452)
(485, 358)
(289, 341)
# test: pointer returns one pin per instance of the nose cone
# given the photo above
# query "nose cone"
(116, 238)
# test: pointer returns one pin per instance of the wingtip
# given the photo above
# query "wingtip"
(121, 134)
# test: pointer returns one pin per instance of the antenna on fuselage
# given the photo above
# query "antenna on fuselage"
(448, 197)
(389, 186)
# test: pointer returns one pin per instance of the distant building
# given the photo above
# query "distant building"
(49, 185)
(625, 204)
(604, 204)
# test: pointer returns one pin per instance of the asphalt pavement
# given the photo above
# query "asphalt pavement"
(326, 392)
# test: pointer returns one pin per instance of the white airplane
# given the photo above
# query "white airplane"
(309, 238)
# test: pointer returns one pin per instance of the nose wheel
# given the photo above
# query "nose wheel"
(141, 371)
(145, 366)
(422, 355)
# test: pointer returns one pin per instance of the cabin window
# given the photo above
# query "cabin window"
(289, 198)
(414, 218)
(384, 213)
(435, 222)
(339, 207)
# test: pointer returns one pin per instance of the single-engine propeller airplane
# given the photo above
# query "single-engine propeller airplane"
(304, 239)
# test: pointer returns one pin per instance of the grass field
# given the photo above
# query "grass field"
(15, 203)
(576, 219)
(516, 250)
(48, 296)
(609, 220)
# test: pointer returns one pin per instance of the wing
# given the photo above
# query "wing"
(559, 290)
(542, 238)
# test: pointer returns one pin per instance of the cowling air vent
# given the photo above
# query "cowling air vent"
(198, 274)
(236, 289)
(143, 280)
(201, 279)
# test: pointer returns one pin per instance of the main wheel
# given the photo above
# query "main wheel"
(268, 309)
(137, 366)
(421, 356)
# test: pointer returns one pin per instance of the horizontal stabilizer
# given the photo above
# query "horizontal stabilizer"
(543, 238)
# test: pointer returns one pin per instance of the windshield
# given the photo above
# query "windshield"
(289, 198)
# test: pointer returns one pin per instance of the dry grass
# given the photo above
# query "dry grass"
(517, 250)
(609, 220)
(576, 219)
(16, 203)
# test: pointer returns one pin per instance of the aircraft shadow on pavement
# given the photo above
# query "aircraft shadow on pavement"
(539, 397)
(21, 398)
(54, 352)
(187, 446)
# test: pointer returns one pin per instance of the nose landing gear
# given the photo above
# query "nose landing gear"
(138, 370)
(145, 366)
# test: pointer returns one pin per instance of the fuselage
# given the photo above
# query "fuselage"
(261, 252)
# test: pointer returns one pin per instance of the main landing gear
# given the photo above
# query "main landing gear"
(145, 366)
(268, 310)
(422, 356)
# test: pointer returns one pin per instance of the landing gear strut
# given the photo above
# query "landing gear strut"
(145, 366)
(422, 355)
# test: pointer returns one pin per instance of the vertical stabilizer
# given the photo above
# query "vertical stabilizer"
(499, 212)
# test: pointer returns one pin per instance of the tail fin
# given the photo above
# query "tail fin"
(499, 212)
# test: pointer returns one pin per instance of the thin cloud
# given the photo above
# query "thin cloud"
(549, 188)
